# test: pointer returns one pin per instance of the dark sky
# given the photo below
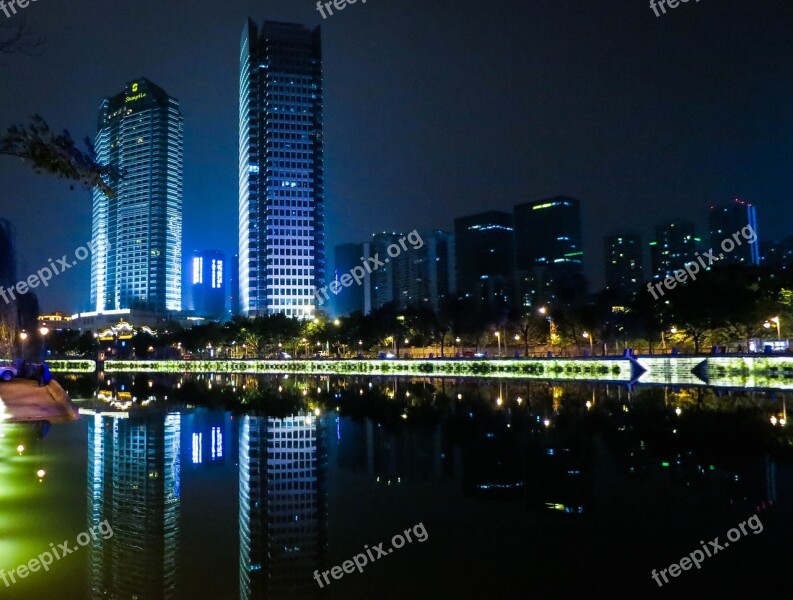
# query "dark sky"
(434, 109)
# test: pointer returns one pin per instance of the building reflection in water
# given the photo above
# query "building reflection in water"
(283, 505)
(134, 483)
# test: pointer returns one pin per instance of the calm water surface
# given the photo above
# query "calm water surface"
(243, 487)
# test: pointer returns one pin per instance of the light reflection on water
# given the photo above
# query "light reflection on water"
(242, 487)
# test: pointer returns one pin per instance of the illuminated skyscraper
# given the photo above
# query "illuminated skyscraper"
(281, 199)
(283, 506)
(134, 481)
(137, 262)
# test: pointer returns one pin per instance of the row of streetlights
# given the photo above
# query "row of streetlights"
(43, 331)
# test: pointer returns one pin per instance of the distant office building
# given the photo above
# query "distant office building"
(207, 283)
(624, 271)
(676, 244)
(134, 483)
(483, 257)
(385, 278)
(730, 218)
(356, 297)
(137, 262)
(234, 287)
(281, 197)
(427, 276)
(549, 256)
(283, 506)
(777, 255)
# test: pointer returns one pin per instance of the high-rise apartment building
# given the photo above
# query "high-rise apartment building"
(427, 278)
(724, 220)
(137, 261)
(676, 243)
(281, 196)
(624, 270)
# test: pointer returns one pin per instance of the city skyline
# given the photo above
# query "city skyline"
(645, 161)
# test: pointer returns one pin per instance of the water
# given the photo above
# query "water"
(243, 487)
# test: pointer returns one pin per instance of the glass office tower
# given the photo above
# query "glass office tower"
(283, 505)
(137, 261)
(281, 221)
(134, 483)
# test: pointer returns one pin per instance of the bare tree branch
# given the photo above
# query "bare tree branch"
(57, 154)
(18, 37)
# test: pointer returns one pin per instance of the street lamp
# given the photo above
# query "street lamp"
(23, 336)
(498, 338)
(591, 342)
(544, 311)
(44, 330)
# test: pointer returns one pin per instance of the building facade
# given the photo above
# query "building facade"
(483, 256)
(207, 273)
(676, 243)
(426, 275)
(624, 264)
(549, 256)
(283, 505)
(730, 218)
(137, 235)
(134, 483)
(281, 195)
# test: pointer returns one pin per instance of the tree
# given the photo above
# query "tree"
(18, 38)
(57, 154)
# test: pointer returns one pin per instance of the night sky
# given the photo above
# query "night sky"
(433, 109)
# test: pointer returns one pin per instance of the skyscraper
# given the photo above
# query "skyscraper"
(428, 274)
(624, 270)
(729, 218)
(483, 255)
(283, 469)
(549, 256)
(138, 234)
(134, 483)
(384, 279)
(281, 197)
(207, 283)
(676, 244)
